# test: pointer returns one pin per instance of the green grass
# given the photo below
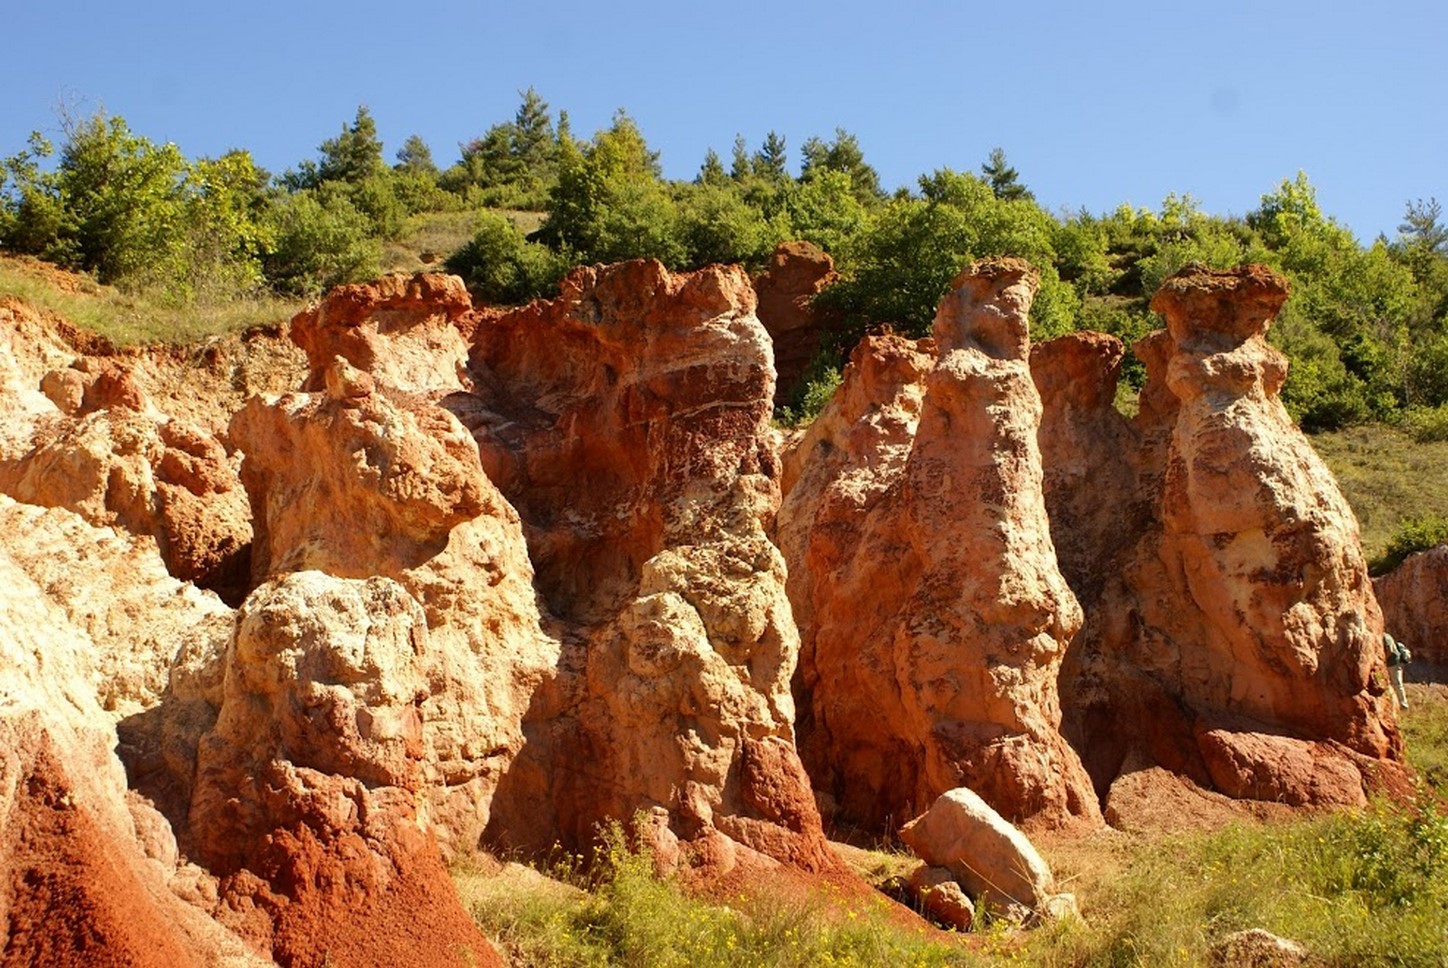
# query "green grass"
(629, 916)
(127, 319)
(1356, 888)
(1387, 477)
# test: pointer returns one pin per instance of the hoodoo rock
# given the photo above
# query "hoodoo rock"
(645, 669)
(1414, 600)
(1232, 632)
(628, 421)
(795, 274)
(934, 616)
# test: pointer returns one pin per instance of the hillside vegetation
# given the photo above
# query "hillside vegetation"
(177, 248)
(1366, 327)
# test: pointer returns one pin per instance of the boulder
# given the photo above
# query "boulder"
(1258, 948)
(1414, 600)
(940, 898)
(923, 574)
(995, 863)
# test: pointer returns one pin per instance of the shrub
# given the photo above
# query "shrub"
(1413, 535)
(500, 266)
(1426, 424)
(321, 241)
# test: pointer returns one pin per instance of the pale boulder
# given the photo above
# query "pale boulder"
(989, 857)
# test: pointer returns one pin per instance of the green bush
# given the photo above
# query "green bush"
(1413, 535)
(321, 241)
(500, 266)
(816, 388)
(1426, 424)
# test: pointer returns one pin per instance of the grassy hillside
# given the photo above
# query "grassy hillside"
(1387, 477)
(1365, 888)
(128, 318)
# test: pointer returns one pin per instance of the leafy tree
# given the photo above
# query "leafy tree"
(609, 202)
(1421, 226)
(1003, 179)
(31, 210)
(416, 156)
(917, 245)
(827, 211)
(715, 224)
(321, 240)
(514, 164)
(711, 172)
(740, 167)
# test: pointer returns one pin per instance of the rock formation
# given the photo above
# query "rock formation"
(1414, 600)
(933, 615)
(359, 481)
(628, 421)
(400, 329)
(308, 786)
(127, 465)
(507, 576)
(1231, 632)
(89, 875)
(795, 274)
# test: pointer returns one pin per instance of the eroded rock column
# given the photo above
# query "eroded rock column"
(937, 614)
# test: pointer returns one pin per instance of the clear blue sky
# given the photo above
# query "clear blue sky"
(1094, 103)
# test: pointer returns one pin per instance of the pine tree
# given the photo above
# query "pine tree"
(1003, 178)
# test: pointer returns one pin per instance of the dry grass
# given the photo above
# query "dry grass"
(125, 318)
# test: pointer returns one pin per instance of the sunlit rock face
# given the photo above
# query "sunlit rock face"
(934, 616)
(1231, 630)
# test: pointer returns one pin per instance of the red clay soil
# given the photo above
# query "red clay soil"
(70, 900)
(340, 902)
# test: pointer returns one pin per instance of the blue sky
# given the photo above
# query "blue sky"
(1094, 103)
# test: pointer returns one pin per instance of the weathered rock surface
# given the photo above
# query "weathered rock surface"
(154, 476)
(400, 329)
(1231, 627)
(360, 481)
(628, 421)
(933, 614)
(88, 613)
(308, 785)
(995, 863)
(1414, 600)
(795, 274)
